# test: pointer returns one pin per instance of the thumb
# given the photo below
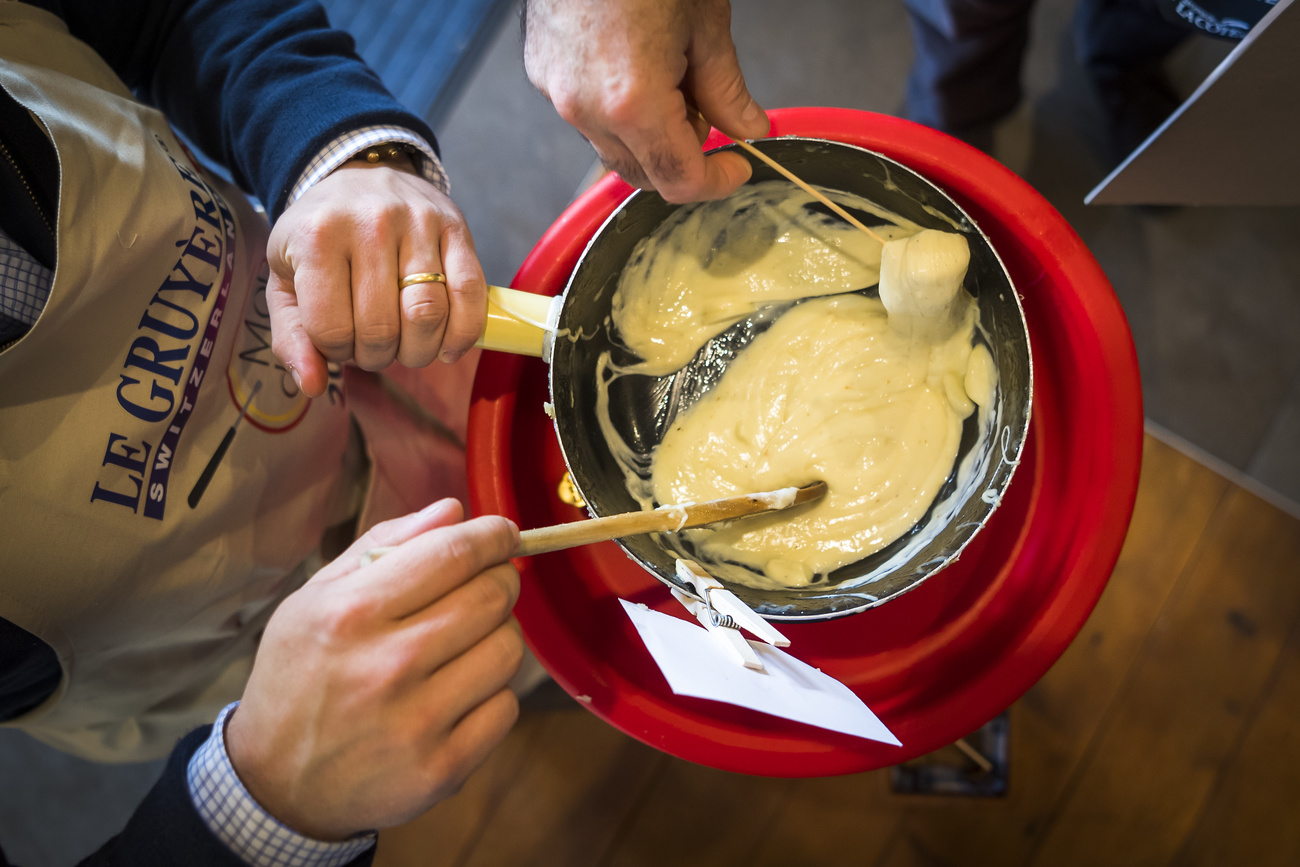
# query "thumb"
(717, 85)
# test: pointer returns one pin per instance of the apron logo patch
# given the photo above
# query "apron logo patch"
(280, 405)
(180, 322)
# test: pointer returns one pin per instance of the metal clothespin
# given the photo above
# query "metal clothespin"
(724, 615)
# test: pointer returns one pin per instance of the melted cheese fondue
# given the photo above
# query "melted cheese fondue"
(867, 396)
(711, 265)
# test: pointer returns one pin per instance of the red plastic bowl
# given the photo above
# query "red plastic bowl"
(934, 664)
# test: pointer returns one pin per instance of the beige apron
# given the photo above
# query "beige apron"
(151, 589)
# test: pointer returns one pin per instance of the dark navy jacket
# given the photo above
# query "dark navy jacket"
(260, 86)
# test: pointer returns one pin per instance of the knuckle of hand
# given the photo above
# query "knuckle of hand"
(388, 218)
(492, 594)
(510, 647)
(343, 618)
(459, 553)
(334, 341)
(459, 250)
(472, 288)
(445, 772)
(500, 713)
(409, 731)
(378, 336)
(509, 707)
(623, 105)
(469, 289)
(310, 240)
(569, 105)
(401, 658)
(508, 576)
(427, 313)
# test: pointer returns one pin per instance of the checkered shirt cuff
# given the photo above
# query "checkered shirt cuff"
(348, 145)
(24, 289)
(238, 821)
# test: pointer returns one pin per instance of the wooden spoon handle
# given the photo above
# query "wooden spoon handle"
(545, 539)
(667, 519)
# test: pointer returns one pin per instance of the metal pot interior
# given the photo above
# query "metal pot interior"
(642, 407)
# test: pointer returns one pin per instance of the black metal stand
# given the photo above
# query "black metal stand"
(976, 767)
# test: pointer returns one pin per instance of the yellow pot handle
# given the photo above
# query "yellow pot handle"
(520, 322)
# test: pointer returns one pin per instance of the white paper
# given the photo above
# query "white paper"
(696, 664)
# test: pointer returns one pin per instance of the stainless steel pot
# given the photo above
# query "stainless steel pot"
(642, 407)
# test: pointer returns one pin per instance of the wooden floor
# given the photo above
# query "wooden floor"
(1168, 733)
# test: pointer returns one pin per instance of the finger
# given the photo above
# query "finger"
(702, 129)
(426, 568)
(463, 617)
(477, 673)
(474, 677)
(425, 307)
(324, 288)
(289, 339)
(671, 158)
(392, 534)
(376, 316)
(462, 750)
(714, 80)
(619, 160)
(466, 291)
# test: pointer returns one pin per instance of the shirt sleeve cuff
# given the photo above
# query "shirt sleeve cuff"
(348, 145)
(239, 822)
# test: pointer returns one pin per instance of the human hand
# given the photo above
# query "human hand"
(337, 256)
(630, 74)
(378, 689)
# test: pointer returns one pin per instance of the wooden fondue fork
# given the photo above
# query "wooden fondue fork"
(665, 519)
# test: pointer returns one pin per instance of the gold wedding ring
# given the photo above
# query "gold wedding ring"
(422, 277)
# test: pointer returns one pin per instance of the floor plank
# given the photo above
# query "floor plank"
(447, 834)
(1250, 819)
(695, 815)
(579, 786)
(1054, 722)
(1207, 662)
(832, 822)
(553, 793)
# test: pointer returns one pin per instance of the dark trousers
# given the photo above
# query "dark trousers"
(969, 53)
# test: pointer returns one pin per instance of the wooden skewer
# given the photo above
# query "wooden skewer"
(808, 188)
(666, 519)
